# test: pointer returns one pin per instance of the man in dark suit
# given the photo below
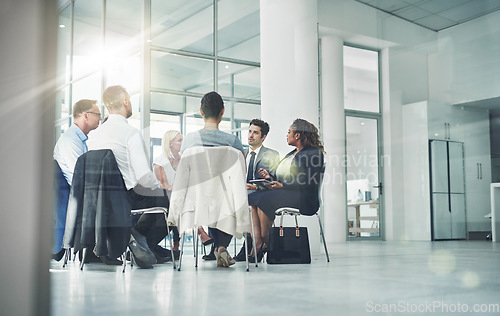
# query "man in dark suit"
(257, 157)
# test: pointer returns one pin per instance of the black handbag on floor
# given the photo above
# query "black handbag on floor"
(288, 244)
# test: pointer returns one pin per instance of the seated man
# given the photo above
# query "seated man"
(257, 157)
(70, 146)
(144, 190)
(72, 143)
(212, 110)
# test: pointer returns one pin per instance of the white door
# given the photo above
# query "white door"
(364, 186)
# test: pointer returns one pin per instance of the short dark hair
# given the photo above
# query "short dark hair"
(82, 106)
(212, 104)
(264, 127)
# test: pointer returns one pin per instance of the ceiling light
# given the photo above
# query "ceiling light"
(62, 26)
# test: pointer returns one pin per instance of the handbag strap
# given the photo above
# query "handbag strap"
(281, 224)
(297, 230)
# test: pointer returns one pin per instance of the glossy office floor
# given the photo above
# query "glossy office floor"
(368, 277)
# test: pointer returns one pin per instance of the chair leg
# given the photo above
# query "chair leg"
(66, 257)
(194, 247)
(253, 240)
(246, 251)
(84, 253)
(323, 237)
(182, 249)
(195, 243)
(169, 238)
(235, 250)
(124, 260)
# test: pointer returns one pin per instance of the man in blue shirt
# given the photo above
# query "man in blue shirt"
(72, 144)
(69, 147)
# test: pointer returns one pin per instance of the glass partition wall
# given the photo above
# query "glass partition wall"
(167, 54)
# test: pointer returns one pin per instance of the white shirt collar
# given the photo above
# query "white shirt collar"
(117, 117)
(256, 151)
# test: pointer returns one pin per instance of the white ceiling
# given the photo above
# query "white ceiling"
(435, 15)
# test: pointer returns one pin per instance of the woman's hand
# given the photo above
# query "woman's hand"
(264, 174)
(251, 186)
(274, 185)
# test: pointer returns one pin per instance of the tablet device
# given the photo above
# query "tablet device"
(260, 182)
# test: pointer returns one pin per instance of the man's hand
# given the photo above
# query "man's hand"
(274, 185)
(264, 174)
(251, 186)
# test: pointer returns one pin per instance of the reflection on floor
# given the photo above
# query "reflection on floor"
(368, 276)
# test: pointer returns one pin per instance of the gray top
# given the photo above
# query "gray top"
(211, 138)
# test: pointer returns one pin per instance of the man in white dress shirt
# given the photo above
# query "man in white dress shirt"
(144, 190)
(72, 143)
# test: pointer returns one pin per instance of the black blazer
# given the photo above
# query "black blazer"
(306, 174)
(98, 210)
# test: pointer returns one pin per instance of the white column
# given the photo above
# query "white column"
(333, 126)
(289, 77)
(289, 66)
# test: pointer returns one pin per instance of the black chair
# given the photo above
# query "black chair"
(99, 214)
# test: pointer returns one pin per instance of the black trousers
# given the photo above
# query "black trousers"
(151, 226)
(220, 238)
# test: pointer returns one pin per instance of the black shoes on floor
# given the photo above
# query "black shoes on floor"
(142, 255)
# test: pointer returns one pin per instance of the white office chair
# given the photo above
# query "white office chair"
(210, 190)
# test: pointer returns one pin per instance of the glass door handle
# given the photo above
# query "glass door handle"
(379, 187)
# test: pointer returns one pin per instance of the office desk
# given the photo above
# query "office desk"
(356, 229)
(495, 211)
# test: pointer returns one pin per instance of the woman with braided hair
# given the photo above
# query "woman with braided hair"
(294, 184)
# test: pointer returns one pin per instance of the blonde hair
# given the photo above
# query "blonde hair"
(167, 139)
(113, 96)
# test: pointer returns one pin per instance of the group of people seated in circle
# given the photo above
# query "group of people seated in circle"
(293, 181)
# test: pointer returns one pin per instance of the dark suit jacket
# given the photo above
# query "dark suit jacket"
(306, 174)
(98, 210)
(266, 159)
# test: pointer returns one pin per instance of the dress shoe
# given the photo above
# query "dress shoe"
(210, 256)
(241, 255)
(141, 264)
(110, 261)
(58, 256)
(140, 250)
(207, 242)
(260, 254)
(162, 255)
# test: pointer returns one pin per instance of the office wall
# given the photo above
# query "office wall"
(27, 34)
(404, 79)
(466, 66)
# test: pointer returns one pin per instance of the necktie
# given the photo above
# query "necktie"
(250, 171)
